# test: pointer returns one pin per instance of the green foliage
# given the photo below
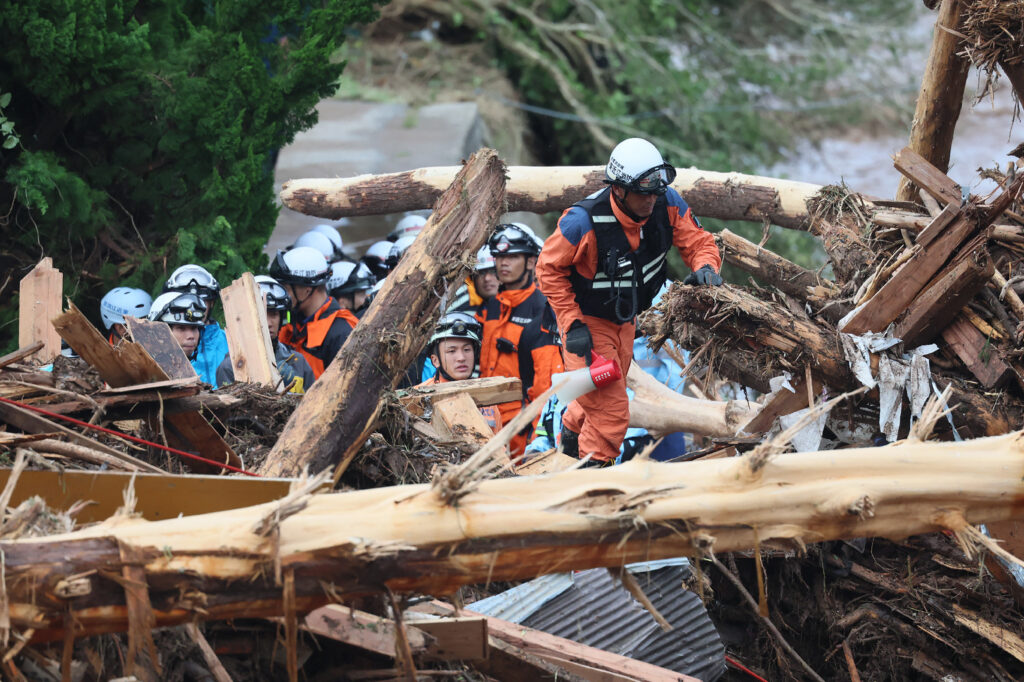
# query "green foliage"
(720, 85)
(143, 132)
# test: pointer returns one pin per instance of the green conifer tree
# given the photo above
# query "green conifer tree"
(137, 136)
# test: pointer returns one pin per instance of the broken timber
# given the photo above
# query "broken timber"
(249, 344)
(39, 301)
(217, 566)
(339, 412)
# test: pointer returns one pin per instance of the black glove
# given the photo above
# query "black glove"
(578, 341)
(705, 275)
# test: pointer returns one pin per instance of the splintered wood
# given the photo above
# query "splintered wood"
(249, 344)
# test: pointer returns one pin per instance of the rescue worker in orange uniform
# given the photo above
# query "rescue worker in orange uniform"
(319, 326)
(479, 287)
(454, 350)
(520, 334)
(603, 266)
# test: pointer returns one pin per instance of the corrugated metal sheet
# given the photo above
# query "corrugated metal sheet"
(592, 608)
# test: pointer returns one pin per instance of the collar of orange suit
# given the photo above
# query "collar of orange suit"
(510, 298)
(624, 220)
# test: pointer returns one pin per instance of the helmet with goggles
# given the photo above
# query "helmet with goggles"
(193, 279)
(457, 326)
(302, 266)
(277, 298)
(512, 238)
(348, 278)
(176, 308)
(636, 165)
(484, 259)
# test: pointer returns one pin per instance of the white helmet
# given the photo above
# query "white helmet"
(318, 241)
(193, 279)
(411, 224)
(331, 233)
(398, 249)
(484, 259)
(277, 298)
(348, 278)
(457, 325)
(379, 250)
(123, 301)
(636, 165)
(302, 265)
(174, 307)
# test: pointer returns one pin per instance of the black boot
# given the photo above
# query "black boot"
(570, 442)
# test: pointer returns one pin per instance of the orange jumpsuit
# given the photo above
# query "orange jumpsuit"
(520, 340)
(579, 279)
(320, 337)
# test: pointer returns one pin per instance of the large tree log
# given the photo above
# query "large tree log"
(407, 539)
(941, 95)
(773, 269)
(730, 196)
(340, 411)
(661, 410)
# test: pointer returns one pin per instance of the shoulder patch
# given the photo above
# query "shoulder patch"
(574, 224)
(673, 198)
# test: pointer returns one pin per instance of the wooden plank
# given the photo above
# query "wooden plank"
(149, 386)
(159, 496)
(158, 340)
(191, 432)
(455, 639)
(131, 400)
(245, 312)
(21, 353)
(919, 171)
(125, 365)
(935, 307)
(511, 664)
(29, 421)
(39, 298)
(361, 629)
(937, 225)
(462, 419)
(908, 280)
(981, 357)
(485, 391)
(543, 644)
(782, 403)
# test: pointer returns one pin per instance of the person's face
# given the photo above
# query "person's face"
(486, 283)
(274, 322)
(455, 357)
(640, 204)
(352, 302)
(298, 293)
(512, 268)
(187, 336)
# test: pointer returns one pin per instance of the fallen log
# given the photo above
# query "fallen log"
(661, 410)
(407, 539)
(941, 95)
(730, 196)
(340, 411)
(770, 268)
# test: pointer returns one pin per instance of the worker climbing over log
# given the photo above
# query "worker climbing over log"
(213, 342)
(603, 266)
(520, 335)
(454, 349)
(296, 374)
(319, 326)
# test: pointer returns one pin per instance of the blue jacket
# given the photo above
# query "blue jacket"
(212, 349)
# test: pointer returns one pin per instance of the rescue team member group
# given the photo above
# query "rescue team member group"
(529, 309)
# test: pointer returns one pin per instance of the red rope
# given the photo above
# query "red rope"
(140, 441)
(736, 664)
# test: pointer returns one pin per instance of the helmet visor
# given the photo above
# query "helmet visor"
(654, 181)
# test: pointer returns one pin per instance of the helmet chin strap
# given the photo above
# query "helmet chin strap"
(624, 208)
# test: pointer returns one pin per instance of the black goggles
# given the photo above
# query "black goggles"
(193, 310)
(460, 328)
(655, 181)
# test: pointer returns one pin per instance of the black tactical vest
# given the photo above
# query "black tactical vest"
(626, 281)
